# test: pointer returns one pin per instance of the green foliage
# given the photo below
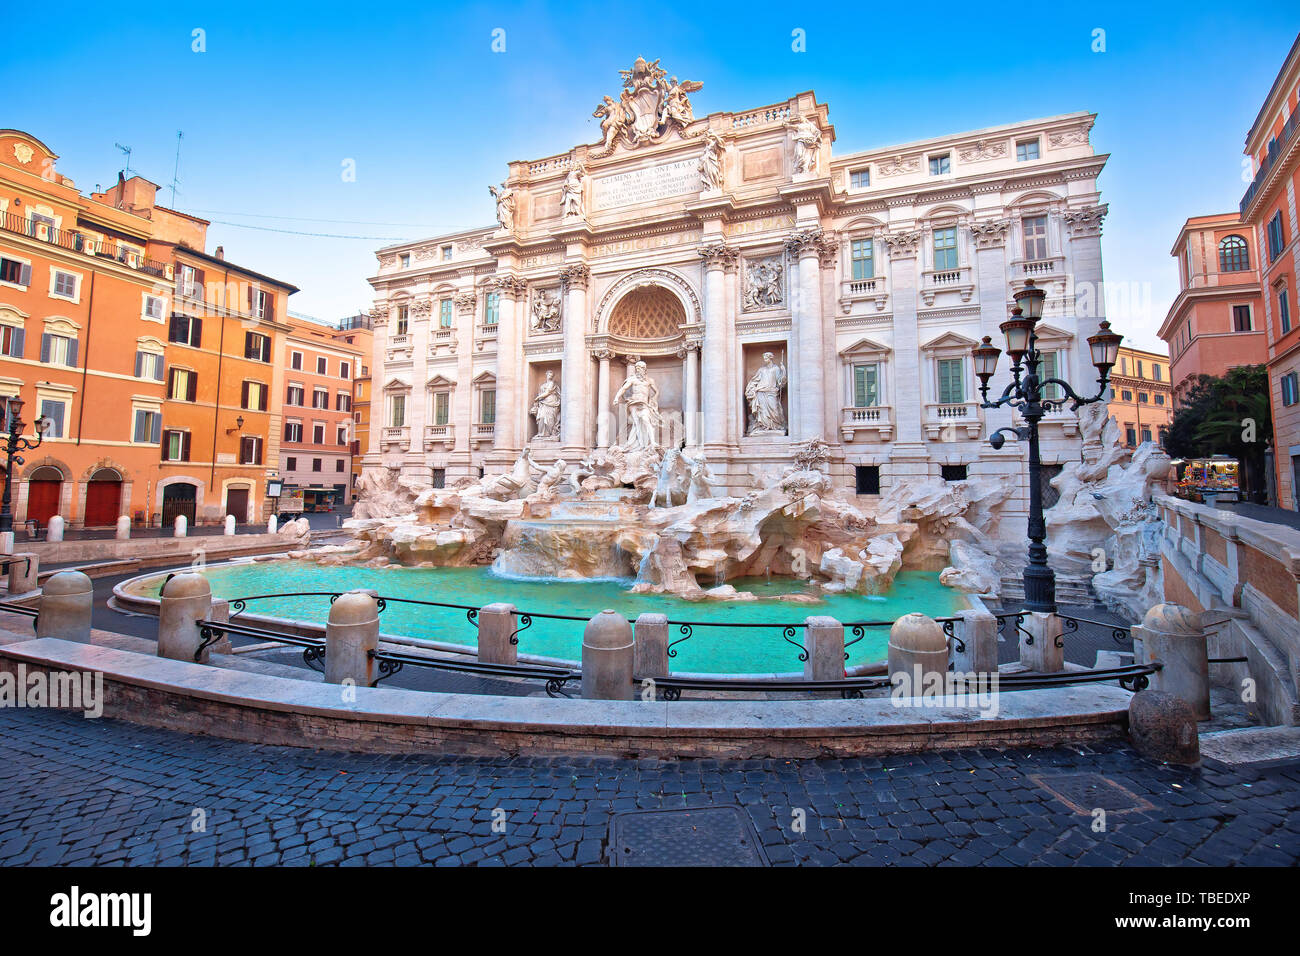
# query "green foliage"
(1215, 417)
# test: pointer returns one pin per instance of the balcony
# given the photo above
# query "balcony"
(952, 422)
(863, 290)
(959, 280)
(435, 435)
(873, 423)
(395, 437)
(442, 339)
(87, 244)
(1270, 160)
(1061, 423)
(482, 432)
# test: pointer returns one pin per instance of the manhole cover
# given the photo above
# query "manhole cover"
(1085, 792)
(707, 836)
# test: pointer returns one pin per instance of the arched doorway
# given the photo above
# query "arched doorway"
(44, 491)
(103, 498)
(179, 499)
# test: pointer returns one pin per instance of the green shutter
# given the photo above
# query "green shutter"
(951, 390)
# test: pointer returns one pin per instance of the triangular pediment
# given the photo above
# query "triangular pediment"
(1050, 333)
(865, 347)
(440, 381)
(950, 340)
(396, 385)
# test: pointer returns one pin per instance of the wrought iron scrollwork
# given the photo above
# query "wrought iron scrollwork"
(1135, 683)
(950, 632)
(787, 635)
(672, 693)
(687, 633)
(472, 616)
(387, 668)
(859, 632)
(380, 604)
(555, 686)
(851, 693)
(312, 656)
(238, 606)
(209, 633)
(527, 620)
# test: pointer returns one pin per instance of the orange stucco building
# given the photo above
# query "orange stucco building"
(1216, 323)
(316, 452)
(155, 361)
(1269, 210)
(224, 333)
(1141, 397)
(83, 336)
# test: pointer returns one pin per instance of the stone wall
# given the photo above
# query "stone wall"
(1244, 576)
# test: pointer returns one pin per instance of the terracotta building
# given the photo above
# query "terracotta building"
(316, 452)
(1269, 210)
(1141, 396)
(1216, 323)
(83, 333)
(358, 330)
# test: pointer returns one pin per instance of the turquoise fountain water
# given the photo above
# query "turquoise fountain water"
(722, 649)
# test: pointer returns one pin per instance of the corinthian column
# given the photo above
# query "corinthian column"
(602, 398)
(508, 432)
(809, 248)
(718, 258)
(573, 376)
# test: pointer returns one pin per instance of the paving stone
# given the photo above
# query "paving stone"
(76, 792)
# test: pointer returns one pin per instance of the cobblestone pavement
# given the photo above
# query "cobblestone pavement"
(76, 791)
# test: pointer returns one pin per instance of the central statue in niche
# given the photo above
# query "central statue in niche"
(546, 409)
(766, 416)
(641, 396)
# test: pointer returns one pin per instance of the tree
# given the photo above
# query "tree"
(1228, 415)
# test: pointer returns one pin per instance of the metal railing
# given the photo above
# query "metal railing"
(87, 244)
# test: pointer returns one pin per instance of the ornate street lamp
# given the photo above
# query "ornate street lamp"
(1026, 394)
(15, 443)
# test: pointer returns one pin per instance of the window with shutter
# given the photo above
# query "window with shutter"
(865, 385)
(951, 387)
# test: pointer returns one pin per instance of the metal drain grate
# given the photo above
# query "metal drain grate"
(706, 836)
(1085, 792)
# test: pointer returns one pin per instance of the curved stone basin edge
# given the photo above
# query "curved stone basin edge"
(198, 699)
(138, 603)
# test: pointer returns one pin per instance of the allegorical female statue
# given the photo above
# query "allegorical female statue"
(546, 409)
(766, 416)
(505, 197)
(641, 395)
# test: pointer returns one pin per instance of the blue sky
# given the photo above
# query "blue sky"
(413, 94)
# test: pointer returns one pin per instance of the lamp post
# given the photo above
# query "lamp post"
(1027, 393)
(14, 444)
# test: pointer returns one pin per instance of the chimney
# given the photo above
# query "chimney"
(220, 253)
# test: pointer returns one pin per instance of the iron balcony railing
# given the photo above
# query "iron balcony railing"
(84, 243)
(1270, 159)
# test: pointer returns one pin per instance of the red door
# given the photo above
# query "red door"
(43, 500)
(103, 499)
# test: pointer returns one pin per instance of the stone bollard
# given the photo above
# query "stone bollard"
(1042, 649)
(230, 526)
(1163, 727)
(7, 542)
(351, 635)
(272, 524)
(124, 528)
(186, 599)
(978, 631)
(54, 530)
(23, 573)
(918, 654)
(651, 635)
(178, 529)
(496, 625)
(67, 600)
(1173, 635)
(823, 642)
(608, 655)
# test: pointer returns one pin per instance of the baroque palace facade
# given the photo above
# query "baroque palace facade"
(774, 291)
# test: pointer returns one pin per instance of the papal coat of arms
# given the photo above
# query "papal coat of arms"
(650, 104)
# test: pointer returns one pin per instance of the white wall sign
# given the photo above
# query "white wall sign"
(648, 184)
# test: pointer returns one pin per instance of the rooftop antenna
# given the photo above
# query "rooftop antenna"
(127, 150)
(180, 134)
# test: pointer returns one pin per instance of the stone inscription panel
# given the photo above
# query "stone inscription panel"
(648, 184)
